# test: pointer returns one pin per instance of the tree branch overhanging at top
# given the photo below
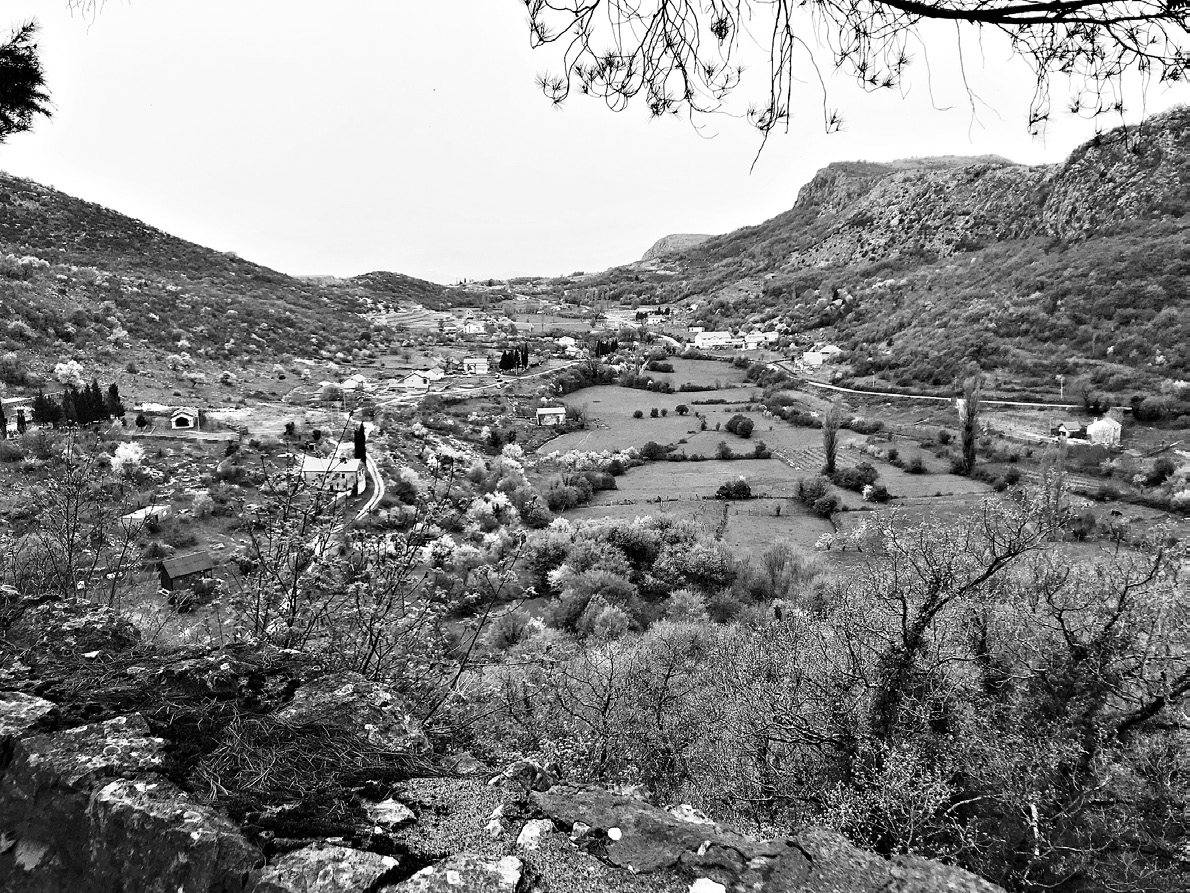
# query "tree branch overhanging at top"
(683, 56)
(23, 95)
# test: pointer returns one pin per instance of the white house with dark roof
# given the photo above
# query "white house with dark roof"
(339, 473)
(551, 416)
(184, 417)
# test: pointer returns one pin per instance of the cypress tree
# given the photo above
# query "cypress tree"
(70, 414)
(115, 406)
(361, 447)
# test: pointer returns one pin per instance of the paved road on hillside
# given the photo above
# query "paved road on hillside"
(377, 487)
(842, 390)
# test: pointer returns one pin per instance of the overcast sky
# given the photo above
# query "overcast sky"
(343, 137)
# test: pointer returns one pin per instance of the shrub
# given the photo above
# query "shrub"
(865, 426)
(654, 451)
(723, 451)
(893, 455)
(915, 466)
(761, 451)
(653, 413)
(737, 489)
(638, 414)
(826, 506)
(664, 411)
(740, 425)
(810, 490)
(681, 409)
(944, 437)
(857, 478)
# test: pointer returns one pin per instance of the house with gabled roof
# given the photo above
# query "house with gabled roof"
(184, 571)
(184, 417)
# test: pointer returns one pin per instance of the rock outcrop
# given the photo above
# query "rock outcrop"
(348, 700)
(674, 243)
(90, 808)
(641, 838)
(86, 808)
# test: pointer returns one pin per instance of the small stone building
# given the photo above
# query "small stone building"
(551, 416)
(184, 571)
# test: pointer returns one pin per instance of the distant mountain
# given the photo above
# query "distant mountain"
(73, 271)
(924, 266)
(674, 243)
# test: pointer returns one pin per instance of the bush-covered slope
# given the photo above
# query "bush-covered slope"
(77, 272)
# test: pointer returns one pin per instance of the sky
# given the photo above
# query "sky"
(340, 138)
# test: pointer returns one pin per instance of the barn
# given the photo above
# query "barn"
(184, 571)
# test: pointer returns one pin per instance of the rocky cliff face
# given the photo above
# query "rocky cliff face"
(858, 212)
(674, 243)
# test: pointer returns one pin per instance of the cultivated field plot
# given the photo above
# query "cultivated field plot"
(704, 373)
(750, 525)
(415, 317)
(548, 322)
(797, 450)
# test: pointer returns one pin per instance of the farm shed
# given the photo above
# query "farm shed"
(476, 365)
(149, 513)
(184, 417)
(550, 416)
(185, 570)
(1067, 428)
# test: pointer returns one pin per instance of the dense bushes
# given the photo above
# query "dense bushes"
(737, 489)
(740, 425)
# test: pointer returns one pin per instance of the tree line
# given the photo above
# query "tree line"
(78, 406)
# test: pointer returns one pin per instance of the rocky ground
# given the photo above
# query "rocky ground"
(237, 772)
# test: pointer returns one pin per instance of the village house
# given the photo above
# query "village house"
(356, 382)
(184, 571)
(476, 366)
(155, 513)
(1105, 431)
(1065, 429)
(14, 406)
(712, 340)
(812, 359)
(551, 416)
(566, 342)
(757, 340)
(474, 327)
(695, 330)
(184, 417)
(341, 473)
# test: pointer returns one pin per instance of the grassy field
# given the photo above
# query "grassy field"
(704, 373)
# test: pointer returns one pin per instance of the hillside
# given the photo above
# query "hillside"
(674, 243)
(75, 273)
(926, 265)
